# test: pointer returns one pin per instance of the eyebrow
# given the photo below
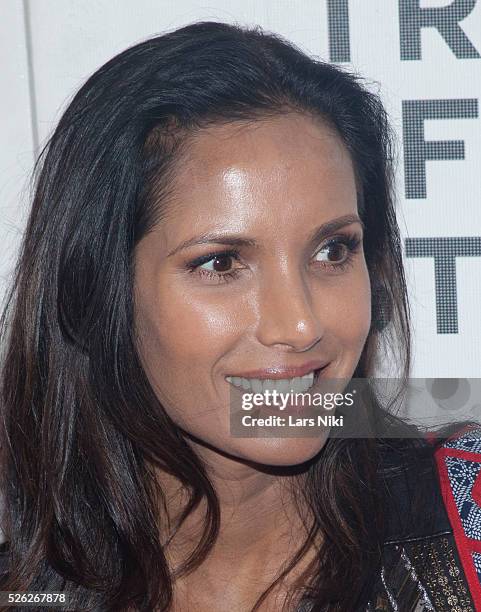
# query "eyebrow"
(319, 234)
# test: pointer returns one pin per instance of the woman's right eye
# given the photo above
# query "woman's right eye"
(216, 266)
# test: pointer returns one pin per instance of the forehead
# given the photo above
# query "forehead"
(244, 173)
(281, 143)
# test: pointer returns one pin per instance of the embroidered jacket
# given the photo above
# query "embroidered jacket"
(442, 561)
(432, 556)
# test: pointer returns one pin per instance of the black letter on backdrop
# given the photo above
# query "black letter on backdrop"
(444, 18)
(445, 251)
(417, 150)
(338, 17)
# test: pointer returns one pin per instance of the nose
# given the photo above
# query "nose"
(286, 314)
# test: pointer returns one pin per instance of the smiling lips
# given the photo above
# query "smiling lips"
(283, 379)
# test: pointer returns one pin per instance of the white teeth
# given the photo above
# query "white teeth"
(283, 385)
(266, 385)
(256, 384)
(300, 384)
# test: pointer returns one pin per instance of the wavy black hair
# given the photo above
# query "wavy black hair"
(82, 431)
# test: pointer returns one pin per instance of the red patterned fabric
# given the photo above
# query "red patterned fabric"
(459, 468)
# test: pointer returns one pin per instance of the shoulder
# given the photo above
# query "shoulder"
(458, 462)
(414, 507)
(433, 538)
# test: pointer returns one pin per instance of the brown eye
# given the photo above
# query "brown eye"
(336, 248)
(219, 263)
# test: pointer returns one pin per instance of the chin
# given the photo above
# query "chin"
(279, 451)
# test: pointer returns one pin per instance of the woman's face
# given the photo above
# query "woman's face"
(238, 276)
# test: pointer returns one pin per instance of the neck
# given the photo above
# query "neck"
(261, 528)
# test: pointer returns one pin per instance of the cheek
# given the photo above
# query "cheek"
(193, 326)
(346, 311)
(183, 337)
(189, 331)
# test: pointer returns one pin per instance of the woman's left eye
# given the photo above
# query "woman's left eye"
(219, 263)
(342, 249)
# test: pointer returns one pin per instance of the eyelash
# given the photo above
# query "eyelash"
(350, 241)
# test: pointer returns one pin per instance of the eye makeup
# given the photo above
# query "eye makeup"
(349, 243)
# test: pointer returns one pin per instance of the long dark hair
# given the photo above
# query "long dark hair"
(82, 430)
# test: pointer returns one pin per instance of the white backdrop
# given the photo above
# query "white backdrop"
(423, 56)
